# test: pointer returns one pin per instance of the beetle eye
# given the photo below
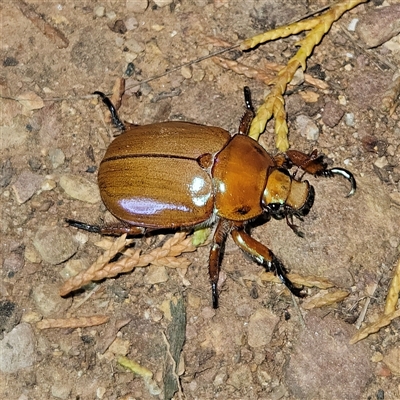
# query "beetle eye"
(274, 207)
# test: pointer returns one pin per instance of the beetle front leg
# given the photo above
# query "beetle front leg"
(248, 116)
(261, 254)
(219, 239)
(314, 164)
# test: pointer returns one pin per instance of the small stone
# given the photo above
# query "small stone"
(392, 360)
(186, 72)
(381, 162)
(332, 114)
(10, 315)
(163, 3)
(119, 347)
(99, 11)
(17, 349)
(138, 6)
(80, 188)
(47, 300)
(134, 46)
(307, 127)
(57, 157)
(13, 262)
(131, 23)
(156, 274)
(342, 100)
(298, 77)
(55, 244)
(61, 391)
(349, 119)
(26, 185)
(352, 25)
(6, 173)
(395, 196)
(198, 74)
(241, 377)
(261, 326)
(379, 25)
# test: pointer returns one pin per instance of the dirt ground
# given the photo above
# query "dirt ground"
(260, 343)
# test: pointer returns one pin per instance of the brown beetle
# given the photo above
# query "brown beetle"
(180, 175)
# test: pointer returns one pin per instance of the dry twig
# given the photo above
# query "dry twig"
(166, 256)
(274, 102)
(383, 321)
(393, 293)
(79, 322)
(48, 30)
(309, 281)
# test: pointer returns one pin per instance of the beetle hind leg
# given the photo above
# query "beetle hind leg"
(261, 254)
(112, 230)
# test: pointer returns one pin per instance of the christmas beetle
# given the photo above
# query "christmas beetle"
(179, 175)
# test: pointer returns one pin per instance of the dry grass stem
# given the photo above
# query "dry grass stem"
(274, 103)
(79, 322)
(322, 299)
(167, 256)
(383, 321)
(54, 34)
(393, 294)
(309, 281)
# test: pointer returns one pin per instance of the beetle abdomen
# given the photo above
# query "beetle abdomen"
(155, 176)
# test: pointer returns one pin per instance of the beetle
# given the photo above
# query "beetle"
(180, 175)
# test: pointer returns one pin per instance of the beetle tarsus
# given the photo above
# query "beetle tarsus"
(114, 115)
(82, 225)
(279, 269)
(329, 173)
(214, 291)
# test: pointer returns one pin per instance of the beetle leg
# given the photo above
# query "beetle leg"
(114, 115)
(248, 116)
(113, 230)
(219, 239)
(261, 254)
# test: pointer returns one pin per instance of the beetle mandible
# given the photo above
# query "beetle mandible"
(181, 175)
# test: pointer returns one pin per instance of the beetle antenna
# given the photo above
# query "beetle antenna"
(114, 115)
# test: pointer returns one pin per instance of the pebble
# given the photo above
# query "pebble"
(241, 377)
(395, 196)
(381, 162)
(55, 244)
(131, 23)
(186, 71)
(26, 185)
(349, 119)
(332, 114)
(261, 326)
(307, 127)
(13, 263)
(47, 300)
(134, 46)
(80, 188)
(60, 390)
(322, 351)
(99, 11)
(163, 3)
(392, 360)
(57, 157)
(156, 274)
(6, 173)
(10, 315)
(138, 6)
(379, 25)
(17, 349)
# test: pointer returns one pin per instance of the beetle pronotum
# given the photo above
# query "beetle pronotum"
(180, 175)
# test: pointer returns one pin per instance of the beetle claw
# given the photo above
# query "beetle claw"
(347, 175)
(280, 271)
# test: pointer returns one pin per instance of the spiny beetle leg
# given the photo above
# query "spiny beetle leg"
(114, 115)
(215, 258)
(311, 163)
(113, 230)
(260, 253)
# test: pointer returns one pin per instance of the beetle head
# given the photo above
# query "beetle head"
(286, 197)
